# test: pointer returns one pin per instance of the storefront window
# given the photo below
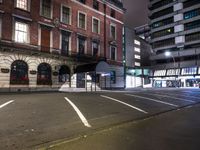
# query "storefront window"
(19, 73)
(44, 74)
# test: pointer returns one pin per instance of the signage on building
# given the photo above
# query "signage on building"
(5, 70)
(33, 72)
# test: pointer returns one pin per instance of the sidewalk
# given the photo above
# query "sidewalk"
(169, 131)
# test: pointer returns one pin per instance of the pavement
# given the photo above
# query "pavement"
(138, 119)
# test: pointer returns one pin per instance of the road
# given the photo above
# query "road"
(35, 120)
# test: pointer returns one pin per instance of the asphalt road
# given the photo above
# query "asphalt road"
(31, 121)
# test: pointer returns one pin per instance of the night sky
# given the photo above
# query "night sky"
(137, 12)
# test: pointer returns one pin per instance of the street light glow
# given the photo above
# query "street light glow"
(167, 54)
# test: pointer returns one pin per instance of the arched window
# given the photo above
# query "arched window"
(44, 74)
(19, 73)
(64, 74)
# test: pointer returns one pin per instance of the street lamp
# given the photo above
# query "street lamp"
(168, 54)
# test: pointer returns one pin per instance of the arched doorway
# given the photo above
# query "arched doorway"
(64, 74)
(44, 74)
(19, 73)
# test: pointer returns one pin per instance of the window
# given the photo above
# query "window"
(113, 53)
(163, 22)
(46, 8)
(44, 74)
(162, 33)
(163, 43)
(64, 74)
(189, 71)
(95, 25)
(137, 49)
(66, 15)
(19, 73)
(112, 13)
(96, 4)
(65, 43)
(81, 45)
(192, 25)
(192, 37)
(159, 73)
(192, 13)
(161, 3)
(137, 64)
(136, 42)
(22, 4)
(81, 20)
(163, 12)
(137, 56)
(82, 1)
(21, 32)
(113, 32)
(190, 3)
(95, 48)
(113, 77)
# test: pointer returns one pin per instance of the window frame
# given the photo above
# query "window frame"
(78, 22)
(51, 13)
(99, 25)
(28, 32)
(70, 14)
(28, 5)
(113, 25)
(98, 53)
(111, 53)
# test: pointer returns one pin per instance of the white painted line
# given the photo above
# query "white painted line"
(124, 103)
(158, 101)
(172, 94)
(3, 105)
(83, 119)
(172, 97)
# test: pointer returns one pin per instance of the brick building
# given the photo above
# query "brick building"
(61, 44)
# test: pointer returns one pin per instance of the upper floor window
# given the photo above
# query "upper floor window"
(21, 32)
(22, 4)
(82, 1)
(96, 4)
(95, 48)
(112, 13)
(82, 20)
(95, 25)
(66, 15)
(81, 45)
(46, 8)
(113, 53)
(113, 31)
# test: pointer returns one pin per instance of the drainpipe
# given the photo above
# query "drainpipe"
(105, 29)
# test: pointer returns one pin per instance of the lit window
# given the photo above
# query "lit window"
(21, 32)
(158, 73)
(66, 15)
(23, 4)
(96, 26)
(82, 20)
(137, 64)
(137, 56)
(137, 49)
(137, 42)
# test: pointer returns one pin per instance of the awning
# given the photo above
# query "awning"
(100, 68)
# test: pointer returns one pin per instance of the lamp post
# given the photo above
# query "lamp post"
(169, 54)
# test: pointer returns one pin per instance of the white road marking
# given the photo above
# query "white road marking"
(3, 105)
(124, 103)
(172, 94)
(172, 97)
(158, 101)
(83, 119)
